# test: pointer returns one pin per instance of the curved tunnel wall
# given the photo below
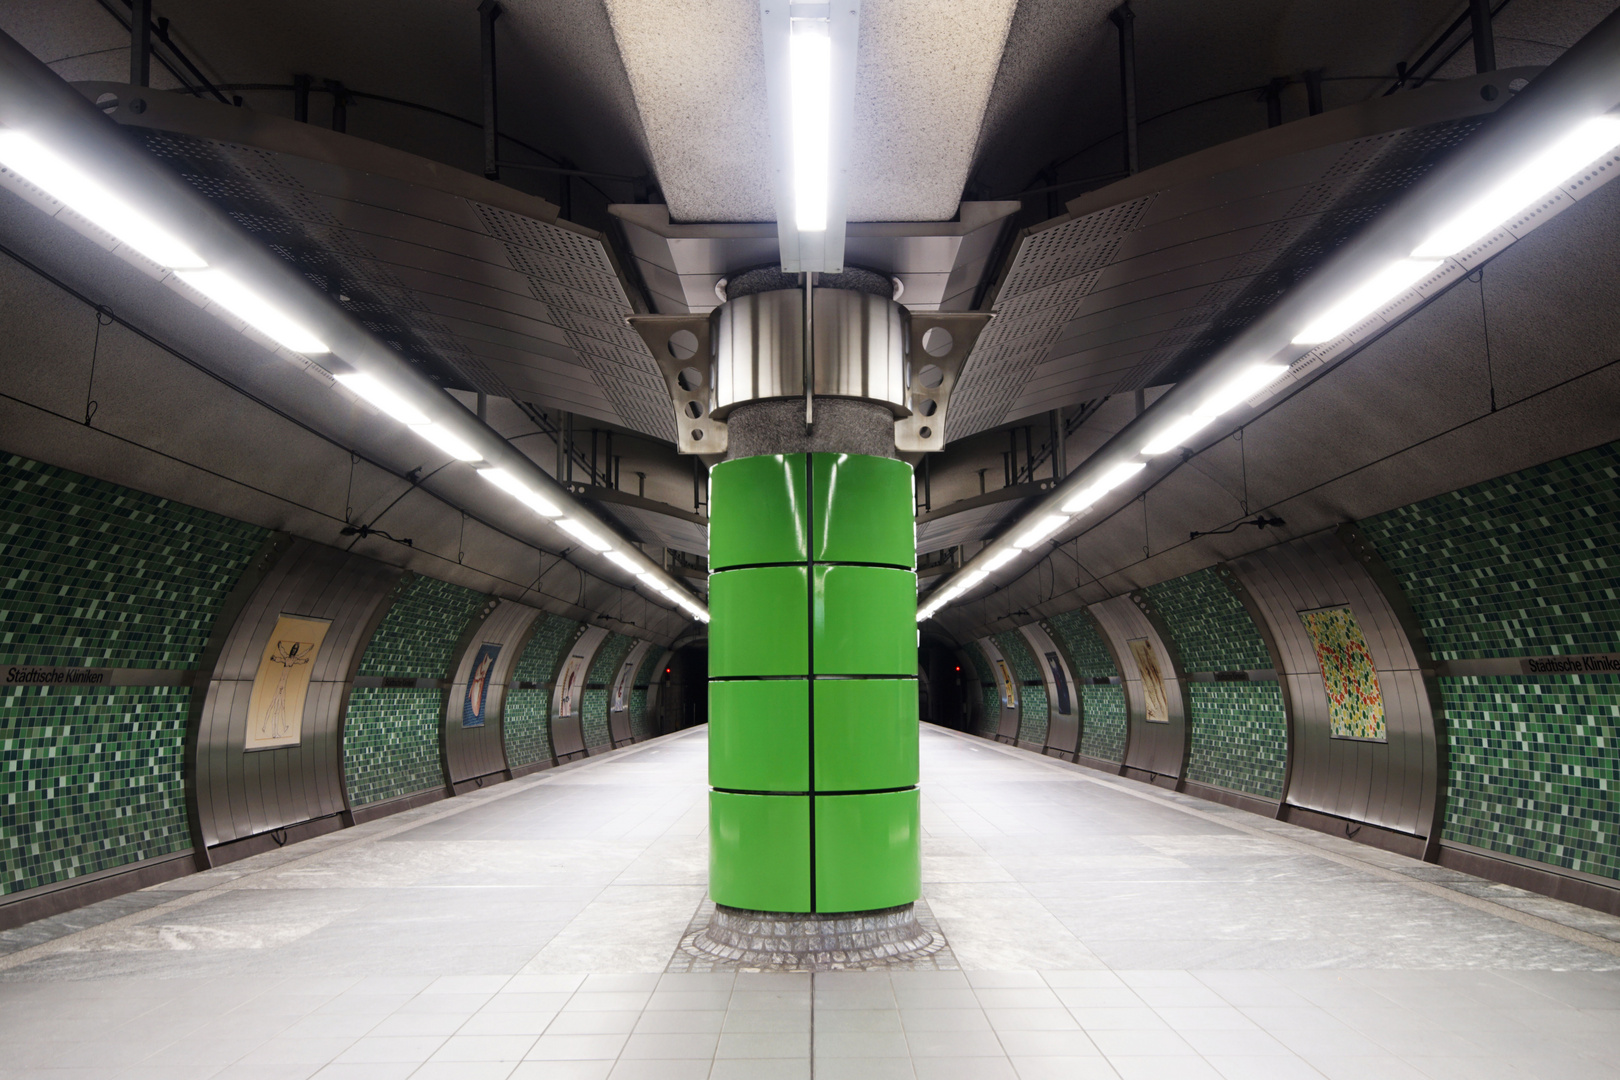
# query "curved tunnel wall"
(1471, 708)
(132, 629)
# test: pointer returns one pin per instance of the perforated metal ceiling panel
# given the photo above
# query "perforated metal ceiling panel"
(478, 284)
(1142, 280)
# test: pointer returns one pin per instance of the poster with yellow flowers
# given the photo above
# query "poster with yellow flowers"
(1355, 703)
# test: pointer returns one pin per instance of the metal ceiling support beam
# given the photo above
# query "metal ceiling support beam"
(140, 42)
(301, 98)
(1583, 83)
(36, 101)
(340, 105)
(488, 12)
(1124, 18)
(1479, 14)
(1313, 91)
(1274, 91)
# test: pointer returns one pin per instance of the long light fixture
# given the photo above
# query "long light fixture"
(1543, 173)
(1228, 395)
(583, 533)
(447, 441)
(84, 195)
(810, 72)
(1373, 293)
(1039, 531)
(522, 492)
(374, 393)
(1001, 559)
(267, 318)
(1087, 496)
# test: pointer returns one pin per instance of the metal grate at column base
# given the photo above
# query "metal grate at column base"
(905, 938)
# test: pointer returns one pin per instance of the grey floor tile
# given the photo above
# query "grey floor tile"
(763, 1045)
(670, 1045)
(760, 1069)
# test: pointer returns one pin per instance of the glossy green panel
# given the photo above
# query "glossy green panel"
(866, 734)
(758, 512)
(759, 735)
(759, 851)
(760, 621)
(865, 621)
(863, 510)
(867, 851)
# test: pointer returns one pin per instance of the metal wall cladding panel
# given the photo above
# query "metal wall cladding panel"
(1007, 720)
(480, 751)
(568, 732)
(1156, 748)
(243, 793)
(619, 718)
(759, 343)
(1392, 784)
(1062, 732)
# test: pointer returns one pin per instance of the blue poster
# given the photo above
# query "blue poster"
(1062, 683)
(478, 685)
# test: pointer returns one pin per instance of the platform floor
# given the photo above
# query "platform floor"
(1101, 928)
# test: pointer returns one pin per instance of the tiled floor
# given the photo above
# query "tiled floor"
(1104, 930)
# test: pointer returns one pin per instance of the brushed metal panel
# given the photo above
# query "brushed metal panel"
(1006, 719)
(243, 794)
(1393, 784)
(619, 731)
(1157, 748)
(568, 732)
(1062, 731)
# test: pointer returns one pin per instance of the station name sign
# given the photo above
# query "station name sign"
(1588, 664)
(57, 676)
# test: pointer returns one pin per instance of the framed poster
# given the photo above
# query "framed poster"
(276, 706)
(1355, 702)
(570, 681)
(476, 698)
(1154, 696)
(621, 685)
(1060, 682)
(1009, 688)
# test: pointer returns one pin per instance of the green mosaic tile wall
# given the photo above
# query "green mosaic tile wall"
(1103, 735)
(1534, 768)
(89, 781)
(990, 714)
(97, 575)
(391, 743)
(1032, 710)
(1088, 654)
(593, 707)
(1239, 737)
(1211, 629)
(420, 630)
(642, 725)
(1526, 564)
(526, 717)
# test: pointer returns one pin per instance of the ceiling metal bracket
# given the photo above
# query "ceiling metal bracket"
(939, 345)
(683, 347)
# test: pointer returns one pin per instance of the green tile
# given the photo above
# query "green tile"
(420, 629)
(866, 734)
(593, 706)
(759, 734)
(865, 621)
(868, 854)
(1209, 625)
(758, 511)
(391, 743)
(759, 851)
(863, 510)
(761, 621)
(1239, 737)
(1033, 714)
(526, 714)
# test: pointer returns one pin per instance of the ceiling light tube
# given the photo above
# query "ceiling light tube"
(1244, 384)
(521, 492)
(583, 533)
(623, 562)
(971, 580)
(1042, 528)
(42, 167)
(448, 441)
(1001, 559)
(1541, 175)
(1177, 433)
(382, 398)
(1088, 495)
(810, 82)
(1364, 299)
(229, 293)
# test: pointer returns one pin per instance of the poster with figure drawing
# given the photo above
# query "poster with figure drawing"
(478, 685)
(569, 682)
(621, 685)
(276, 706)
(1355, 702)
(1009, 688)
(1153, 692)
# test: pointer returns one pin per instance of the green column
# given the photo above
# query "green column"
(812, 684)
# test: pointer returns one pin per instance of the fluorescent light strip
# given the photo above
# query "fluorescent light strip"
(79, 192)
(1002, 559)
(583, 533)
(223, 289)
(1043, 528)
(810, 95)
(1542, 174)
(1177, 433)
(623, 562)
(1365, 299)
(521, 492)
(447, 440)
(384, 399)
(1088, 495)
